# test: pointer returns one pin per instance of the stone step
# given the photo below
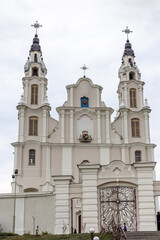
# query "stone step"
(145, 235)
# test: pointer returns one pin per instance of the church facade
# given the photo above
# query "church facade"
(83, 170)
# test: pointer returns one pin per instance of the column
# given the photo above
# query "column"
(62, 209)
(98, 127)
(146, 121)
(89, 195)
(44, 128)
(146, 204)
(107, 127)
(71, 126)
(62, 126)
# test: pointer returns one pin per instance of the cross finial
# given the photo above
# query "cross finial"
(84, 69)
(127, 31)
(36, 25)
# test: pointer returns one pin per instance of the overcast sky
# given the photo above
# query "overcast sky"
(75, 32)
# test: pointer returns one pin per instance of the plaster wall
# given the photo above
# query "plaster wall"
(31, 210)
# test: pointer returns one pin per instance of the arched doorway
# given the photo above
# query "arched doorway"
(119, 204)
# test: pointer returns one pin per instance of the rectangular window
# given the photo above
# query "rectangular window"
(137, 156)
(32, 156)
(133, 101)
(34, 94)
(33, 126)
(135, 127)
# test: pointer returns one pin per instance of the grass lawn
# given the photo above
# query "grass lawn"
(84, 236)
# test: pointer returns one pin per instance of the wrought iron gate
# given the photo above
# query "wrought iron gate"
(118, 204)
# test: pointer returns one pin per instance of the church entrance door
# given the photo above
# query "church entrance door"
(118, 204)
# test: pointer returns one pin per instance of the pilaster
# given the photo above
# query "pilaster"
(104, 155)
(98, 127)
(44, 128)
(62, 125)
(89, 195)
(140, 90)
(21, 116)
(71, 97)
(146, 122)
(26, 86)
(125, 124)
(48, 164)
(107, 127)
(19, 219)
(71, 126)
(125, 95)
(42, 91)
(98, 97)
(67, 161)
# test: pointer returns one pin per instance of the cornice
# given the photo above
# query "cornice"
(138, 82)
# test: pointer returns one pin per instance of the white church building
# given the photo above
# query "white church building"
(83, 170)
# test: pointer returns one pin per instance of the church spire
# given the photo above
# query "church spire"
(128, 47)
(35, 46)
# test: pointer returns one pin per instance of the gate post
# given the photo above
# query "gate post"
(146, 204)
(89, 195)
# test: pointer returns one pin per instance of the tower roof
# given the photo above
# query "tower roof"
(35, 46)
(128, 49)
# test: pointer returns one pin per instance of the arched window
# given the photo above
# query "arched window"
(33, 126)
(138, 156)
(32, 156)
(131, 75)
(135, 127)
(35, 71)
(34, 94)
(133, 100)
(35, 57)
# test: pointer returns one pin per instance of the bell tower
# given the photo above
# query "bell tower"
(133, 108)
(130, 89)
(33, 115)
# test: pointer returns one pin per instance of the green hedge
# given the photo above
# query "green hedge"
(84, 236)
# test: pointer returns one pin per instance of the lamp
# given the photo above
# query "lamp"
(91, 230)
(14, 176)
(96, 238)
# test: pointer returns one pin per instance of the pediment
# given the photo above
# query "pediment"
(117, 169)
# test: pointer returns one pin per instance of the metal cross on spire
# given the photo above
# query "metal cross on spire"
(84, 69)
(127, 31)
(36, 25)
